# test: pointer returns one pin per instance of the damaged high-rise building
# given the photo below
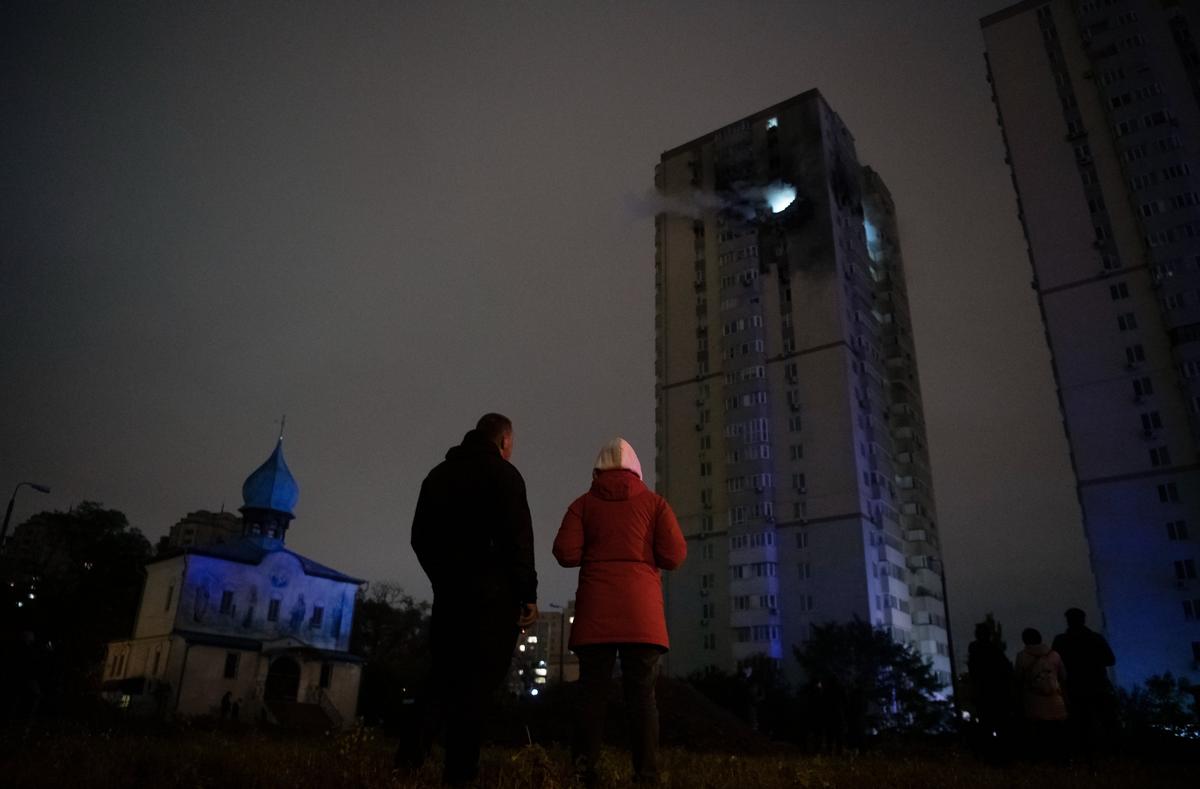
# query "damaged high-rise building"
(789, 427)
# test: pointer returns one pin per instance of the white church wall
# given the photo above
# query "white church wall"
(160, 598)
(234, 599)
(204, 682)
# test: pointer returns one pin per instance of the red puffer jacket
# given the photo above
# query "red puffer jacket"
(619, 534)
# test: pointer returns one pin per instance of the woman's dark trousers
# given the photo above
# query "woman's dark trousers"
(639, 669)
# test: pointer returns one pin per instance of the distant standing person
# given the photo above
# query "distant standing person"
(473, 535)
(620, 534)
(1040, 677)
(991, 684)
(1090, 697)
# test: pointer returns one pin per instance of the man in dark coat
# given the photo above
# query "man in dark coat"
(1090, 698)
(473, 536)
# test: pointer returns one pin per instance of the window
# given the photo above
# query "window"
(1126, 322)
(710, 641)
(799, 483)
(805, 571)
(326, 674)
(226, 602)
(231, 664)
(796, 451)
(1159, 456)
(707, 581)
(1168, 493)
(706, 551)
(794, 424)
(170, 597)
(157, 658)
(1185, 570)
(273, 610)
(1118, 291)
(1142, 387)
(1177, 530)
(706, 442)
(802, 538)
(1151, 421)
(706, 469)
(318, 615)
(1134, 354)
(706, 522)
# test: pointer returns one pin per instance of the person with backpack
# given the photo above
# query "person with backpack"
(1040, 677)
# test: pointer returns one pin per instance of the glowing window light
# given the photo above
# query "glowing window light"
(571, 620)
(521, 647)
(540, 680)
(541, 672)
(780, 196)
(533, 691)
(531, 640)
(772, 123)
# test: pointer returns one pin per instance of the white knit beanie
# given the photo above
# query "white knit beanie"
(618, 454)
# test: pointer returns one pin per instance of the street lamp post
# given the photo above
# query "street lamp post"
(11, 500)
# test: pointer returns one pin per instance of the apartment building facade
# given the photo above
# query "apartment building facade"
(789, 428)
(1099, 108)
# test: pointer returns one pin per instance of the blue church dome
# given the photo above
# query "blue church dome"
(271, 486)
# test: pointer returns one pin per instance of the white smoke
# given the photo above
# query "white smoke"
(745, 200)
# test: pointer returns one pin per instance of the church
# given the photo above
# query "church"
(233, 624)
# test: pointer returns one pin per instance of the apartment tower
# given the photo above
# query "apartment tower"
(1099, 108)
(789, 430)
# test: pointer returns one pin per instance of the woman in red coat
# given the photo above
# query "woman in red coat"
(620, 534)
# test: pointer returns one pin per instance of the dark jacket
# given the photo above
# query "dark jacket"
(472, 531)
(1087, 656)
(619, 533)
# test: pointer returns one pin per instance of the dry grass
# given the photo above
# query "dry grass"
(228, 758)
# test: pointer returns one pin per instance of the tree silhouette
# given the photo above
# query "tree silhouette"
(73, 579)
(878, 683)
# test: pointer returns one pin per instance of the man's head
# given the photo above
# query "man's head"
(1075, 617)
(497, 428)
(1031, 637)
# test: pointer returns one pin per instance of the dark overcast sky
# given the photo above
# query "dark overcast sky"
(384, 219)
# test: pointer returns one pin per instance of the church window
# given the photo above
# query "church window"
(157, 658)
(317, 616)
(226, 602)
(326, 674)
(170, 597)
(273, 611)
(231, 664)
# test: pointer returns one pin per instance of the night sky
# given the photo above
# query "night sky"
(384, 219)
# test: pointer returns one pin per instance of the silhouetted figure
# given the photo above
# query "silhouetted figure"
(473, 536)
(826, 703)
(619, 534)
(1090, 697)
(1040, 677)
(28, 665)
(991, 689)
(226, 704)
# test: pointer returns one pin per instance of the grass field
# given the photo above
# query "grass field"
(184, 756)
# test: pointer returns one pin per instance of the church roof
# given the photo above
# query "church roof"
(252, 552)
(271, 486)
